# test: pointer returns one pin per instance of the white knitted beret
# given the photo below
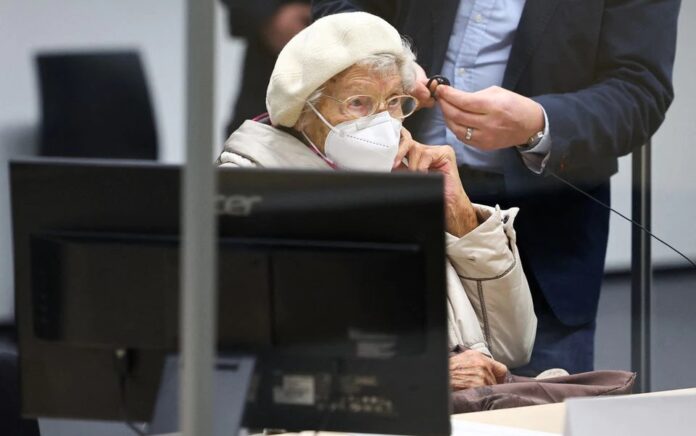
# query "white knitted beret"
(320, 51)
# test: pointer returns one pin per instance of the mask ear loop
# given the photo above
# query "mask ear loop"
(318, 152)
(313, 146)
(439, 80)
(321, 117)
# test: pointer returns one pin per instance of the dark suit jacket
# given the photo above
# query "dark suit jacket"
(602, 70)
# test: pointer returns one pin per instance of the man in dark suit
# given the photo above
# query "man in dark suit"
(267, 25)
(580, 82)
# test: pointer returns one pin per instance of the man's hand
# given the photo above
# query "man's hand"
(287, 22)
(472, 369)
(420, 91)
(499, 118)
(460, 215)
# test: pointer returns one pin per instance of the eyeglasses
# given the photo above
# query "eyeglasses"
(399, 106)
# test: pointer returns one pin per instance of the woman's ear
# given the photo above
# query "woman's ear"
(309, 124)
(306, 119)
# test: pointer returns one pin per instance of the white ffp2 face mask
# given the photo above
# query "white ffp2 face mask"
(365, 144)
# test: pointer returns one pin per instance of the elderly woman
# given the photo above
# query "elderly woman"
(336, 100)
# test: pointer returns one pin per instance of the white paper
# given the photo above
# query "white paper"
(465, 428)
(631, 416)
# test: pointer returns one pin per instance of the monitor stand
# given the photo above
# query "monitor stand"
(232, 378)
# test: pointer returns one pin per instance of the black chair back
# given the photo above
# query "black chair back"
(95, 105)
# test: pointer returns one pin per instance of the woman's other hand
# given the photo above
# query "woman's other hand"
(472, 369)
(460, 215)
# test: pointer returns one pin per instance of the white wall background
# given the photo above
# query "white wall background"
(156, 29)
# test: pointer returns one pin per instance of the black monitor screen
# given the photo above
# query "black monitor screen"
(334, 278)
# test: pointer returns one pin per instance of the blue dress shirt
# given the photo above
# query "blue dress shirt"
(476, 58)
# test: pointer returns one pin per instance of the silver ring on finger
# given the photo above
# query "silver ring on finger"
(469, 134)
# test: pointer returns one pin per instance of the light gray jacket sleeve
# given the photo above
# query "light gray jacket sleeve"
(463, 328)
(229, 159)
(489, 270)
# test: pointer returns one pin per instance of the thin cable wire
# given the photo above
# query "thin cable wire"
(121, 365)
(124, 409)
(640, 226)
(334, 395)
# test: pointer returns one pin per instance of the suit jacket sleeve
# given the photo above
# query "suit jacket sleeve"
(631, 92)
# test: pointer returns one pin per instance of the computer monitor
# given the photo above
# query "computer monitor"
(336, 277)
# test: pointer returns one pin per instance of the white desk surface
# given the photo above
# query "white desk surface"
(547, 418)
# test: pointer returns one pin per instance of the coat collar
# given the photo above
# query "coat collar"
(270, 147)
(535, 17)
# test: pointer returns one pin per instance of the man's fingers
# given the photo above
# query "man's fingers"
(422, 94)
(462, 117)
(460, 130)
(480, 138)
(461, 133)
(467, 101)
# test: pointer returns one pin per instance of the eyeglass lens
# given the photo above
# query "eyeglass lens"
(399, 106)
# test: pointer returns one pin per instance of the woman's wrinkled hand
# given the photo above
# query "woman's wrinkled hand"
(459, 213)
(472, 369)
